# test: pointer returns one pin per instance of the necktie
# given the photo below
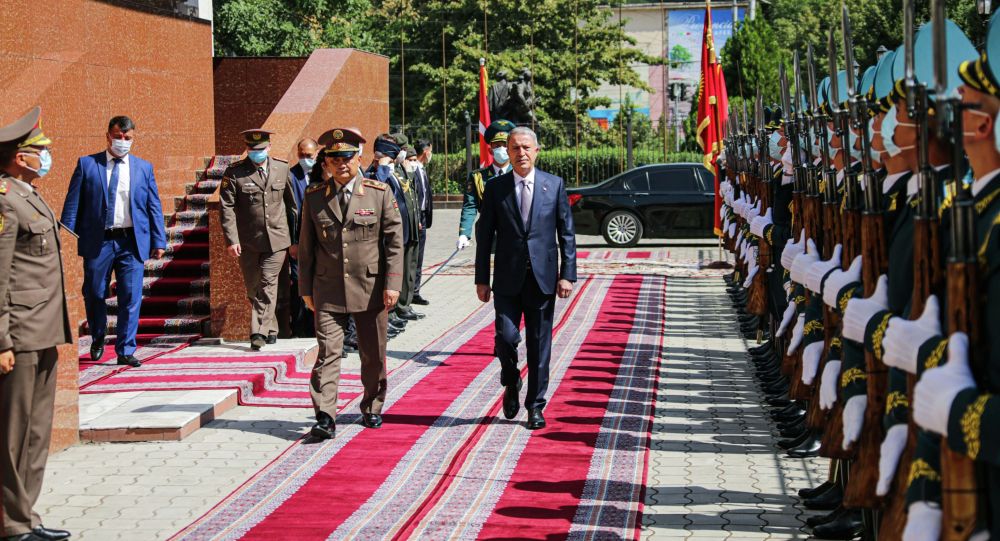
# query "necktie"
(525, 202)
(109, 217)
(343, 201)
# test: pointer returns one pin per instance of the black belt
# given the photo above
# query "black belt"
(119, 233)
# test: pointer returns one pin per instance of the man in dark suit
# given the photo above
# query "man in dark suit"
(527, 213)
(300, 315)
(425, 198)
(114, 206)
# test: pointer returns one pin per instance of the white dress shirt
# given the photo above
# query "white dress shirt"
(123, 205)
(517, 185)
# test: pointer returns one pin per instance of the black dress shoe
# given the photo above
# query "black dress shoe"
(30, 536)
(97, 349)
(129, 360)
(848, 525)
(409, 315)
(397, 322)
(755, 350)
(825, 501)
(808, 449)
(393, 332)
(371, 420)
(535, 419)
(272, 339)
(792, 431)
(324, 428)
(257, 341)
(816, 520)
(50, 534)
(417, 299)
(350, 348)
(816, 490)
(511, 400)
(778, 402)
(793, 442)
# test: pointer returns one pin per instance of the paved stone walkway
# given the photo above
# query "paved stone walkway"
(713, 472)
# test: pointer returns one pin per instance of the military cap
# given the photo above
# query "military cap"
(401, 139)
(981, 73)
(498, 130)
(25, 131)
(866, 88)
(257, 139)
(883, 82)
(410, 151)
(959, 47)
(341, 140)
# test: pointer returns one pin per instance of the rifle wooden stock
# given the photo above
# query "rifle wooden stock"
(815, 416)
(833, 436)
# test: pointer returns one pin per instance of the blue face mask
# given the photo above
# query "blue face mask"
(888, 130)
(500, 155)
(875, 155)
(773, 149)
(830, 134)
(257, 156)
(44, 163)
(307, 164)
(852, 139)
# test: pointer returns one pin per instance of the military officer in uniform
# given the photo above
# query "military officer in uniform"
(350, 265)
(259, 220)
(407, 177)
(496, 136)
(33, 321)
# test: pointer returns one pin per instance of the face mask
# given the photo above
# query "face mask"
(257, 156)
(772, 147)
(44, 163)
(889, 131)
(307, 164)
(120, 147)
(830, 134)
(500, 155)
(875, 155)
(852, 139)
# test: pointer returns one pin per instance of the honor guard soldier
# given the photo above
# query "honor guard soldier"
(33, 321)
(475, 186)
(350, 265)
(258, 220)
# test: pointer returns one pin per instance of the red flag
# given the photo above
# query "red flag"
(485, 153)
(713, 108)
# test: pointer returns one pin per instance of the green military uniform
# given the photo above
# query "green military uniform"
(33, 321)
(411, 250)
(475, 184)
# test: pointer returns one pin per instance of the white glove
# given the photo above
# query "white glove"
(792, 250)
(752, 271)
(800, 267)
(889, 453)
(738, 204)
(463, 242)
(938, 387)
(828, 385)
(840, 278)
(903, 337)
(818, 270)
(786, 319)
(731, 232)
(722, 211)
(797, 333)
(854, 419)
(810, 361)
(760, 223)
(787, 168)
(923, 522)
(860, 311)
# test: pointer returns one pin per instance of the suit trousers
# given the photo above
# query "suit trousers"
(260, 274)
(537, 308)
(118, 255)
(27, 400)
(420, 261)
(410, 253)
(325, 379)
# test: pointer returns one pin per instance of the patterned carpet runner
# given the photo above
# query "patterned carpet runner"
(446, 465)
(175, 304)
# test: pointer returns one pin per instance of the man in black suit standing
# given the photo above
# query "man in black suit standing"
(301, 317)
(527, 213)
(425, 201)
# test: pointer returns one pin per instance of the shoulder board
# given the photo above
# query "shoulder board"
(3, 186)
(375, 184)
(315, 187)
(945, 205)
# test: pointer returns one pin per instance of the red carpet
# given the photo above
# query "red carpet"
(446, 466)
(149, 346)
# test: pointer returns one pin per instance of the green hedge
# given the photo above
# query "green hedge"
(595, 165)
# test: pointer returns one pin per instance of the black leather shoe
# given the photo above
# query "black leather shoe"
(97, 349)
(393, 332)
(825, 501)
(397, 322)
(50, 534)
(409, 315)
(257, 341)
(129, 360)
(511, 400)
(535, 419)
(778, 402)
(324, 428)
(816, 490)
(808, 449)
(848, 525)
(757, 350)
(417, 299)
(272, 339)
(371, 420)
(793, 442)
(816, 520)
(349, 347)
(30, 536)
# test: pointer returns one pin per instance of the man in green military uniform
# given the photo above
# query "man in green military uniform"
(33, 321)
(496, 136)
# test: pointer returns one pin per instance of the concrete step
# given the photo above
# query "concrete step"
(150, 415)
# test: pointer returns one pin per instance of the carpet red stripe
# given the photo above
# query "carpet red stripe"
(540, 500)
(638, 255)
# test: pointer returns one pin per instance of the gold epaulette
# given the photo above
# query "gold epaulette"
(315, 187)
(3, 186)
(375, 184)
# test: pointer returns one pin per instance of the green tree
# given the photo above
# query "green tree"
(679, 54)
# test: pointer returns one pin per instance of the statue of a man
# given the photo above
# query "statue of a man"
(499, 95)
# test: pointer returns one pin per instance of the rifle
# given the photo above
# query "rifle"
(757, 295)
(927, 272)
(792, 136)
(860, 492)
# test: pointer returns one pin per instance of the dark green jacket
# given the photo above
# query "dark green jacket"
(475, 185)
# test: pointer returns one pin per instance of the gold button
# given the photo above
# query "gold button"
(347, 275)
(346, 260)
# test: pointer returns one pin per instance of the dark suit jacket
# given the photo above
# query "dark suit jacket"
(87, 199)
(550, 235)
(425, 194)
(385, 174)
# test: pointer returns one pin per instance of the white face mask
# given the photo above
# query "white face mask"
(121, 147)
(875, 155)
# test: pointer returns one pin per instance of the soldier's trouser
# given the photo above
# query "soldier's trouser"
(420, 261)
(27, 398)
(410, 254)
(325, 380)
(283, 309)
(260, 274)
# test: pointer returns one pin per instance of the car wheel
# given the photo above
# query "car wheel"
(622, 229)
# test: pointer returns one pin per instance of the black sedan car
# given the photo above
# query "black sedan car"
(672, 200)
